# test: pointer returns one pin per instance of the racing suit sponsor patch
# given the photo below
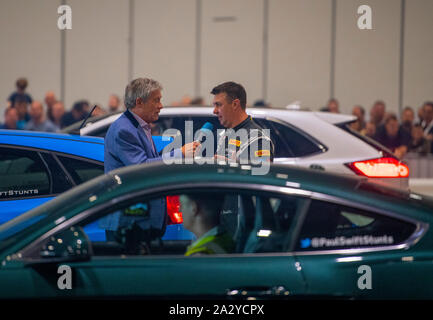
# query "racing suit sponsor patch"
(262, 153)
(235, 142)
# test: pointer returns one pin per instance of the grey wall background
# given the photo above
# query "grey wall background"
(281, 50)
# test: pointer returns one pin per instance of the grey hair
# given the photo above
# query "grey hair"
(140, 88)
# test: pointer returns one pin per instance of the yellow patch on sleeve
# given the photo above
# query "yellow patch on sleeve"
(235, 142)
(262, 153)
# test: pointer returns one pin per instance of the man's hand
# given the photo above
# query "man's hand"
(189, 149)
(400, 151)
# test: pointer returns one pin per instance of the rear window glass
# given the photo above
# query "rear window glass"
(371, 142)
(288, 141)
(330, 226)
(23, 174)
(81, 170)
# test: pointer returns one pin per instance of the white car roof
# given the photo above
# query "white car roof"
(320, 125)
(294, 116)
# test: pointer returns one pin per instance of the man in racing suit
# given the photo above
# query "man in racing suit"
(244, 141)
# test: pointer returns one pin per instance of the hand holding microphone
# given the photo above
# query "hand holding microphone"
(189, 149)
(207, 128)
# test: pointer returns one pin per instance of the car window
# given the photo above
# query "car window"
(81, 170)
(23, 174)
(288, 142)
(37, 218)
(178, 122)
(177, 224)
(60, 180)
(331, 226)
(101, 132)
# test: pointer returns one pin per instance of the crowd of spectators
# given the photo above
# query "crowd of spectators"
(407, 133)
(24, 113)
(403, 134)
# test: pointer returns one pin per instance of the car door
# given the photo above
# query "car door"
(260, 225)
(31, 177)
(26, 181)
(291, 144)
(353, 252)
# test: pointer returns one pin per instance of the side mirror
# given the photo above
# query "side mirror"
(71, 244)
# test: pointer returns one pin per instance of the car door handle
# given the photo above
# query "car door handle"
(317, 167)
(258, 292)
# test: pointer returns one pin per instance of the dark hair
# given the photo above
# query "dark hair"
(79, 106)
(210, 202)
(408, 108)
(428, 103)
(381, 102)
(197, 101)
(233, 91)
(260, 103)
(360, 108)
(391, 117)
(22, 83)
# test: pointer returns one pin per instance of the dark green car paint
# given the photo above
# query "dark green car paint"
(399, 273)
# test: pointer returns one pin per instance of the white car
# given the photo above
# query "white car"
(319, 140)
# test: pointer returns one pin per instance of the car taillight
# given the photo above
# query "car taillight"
(173, 210)
(386, 167)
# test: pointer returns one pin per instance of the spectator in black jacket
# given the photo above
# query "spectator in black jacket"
(393, 136)
(407, 119)
(78, 112)
(419, 143)
(427, 123)
(21, 85)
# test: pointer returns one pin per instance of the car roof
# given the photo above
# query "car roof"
(111, 188)
(157, 175)
(278, 175)
(73, 128)
(88, 147)
(350, 187)
(319, 125)
(331, 118)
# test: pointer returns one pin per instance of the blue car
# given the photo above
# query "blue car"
(37, 166)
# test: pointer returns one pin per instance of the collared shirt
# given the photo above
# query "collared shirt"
(145, 126)
(427, 127)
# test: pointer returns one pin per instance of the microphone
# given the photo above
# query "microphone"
(207, 127)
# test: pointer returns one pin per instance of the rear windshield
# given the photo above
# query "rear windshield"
(373, 143)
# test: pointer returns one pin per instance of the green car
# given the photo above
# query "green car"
(297, 233)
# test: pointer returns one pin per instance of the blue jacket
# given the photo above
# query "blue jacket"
(126, 144)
